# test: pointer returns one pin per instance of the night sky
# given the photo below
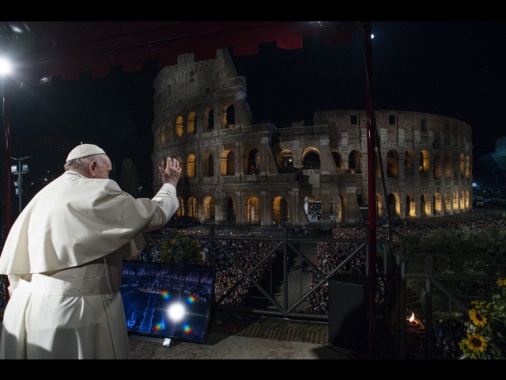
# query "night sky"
(455, 69)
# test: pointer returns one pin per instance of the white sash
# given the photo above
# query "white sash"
(85, 280)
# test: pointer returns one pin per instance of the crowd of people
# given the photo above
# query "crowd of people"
(238, 253)
(235, 256)
(330, 255)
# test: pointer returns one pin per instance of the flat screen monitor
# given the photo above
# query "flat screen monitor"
(167, 301)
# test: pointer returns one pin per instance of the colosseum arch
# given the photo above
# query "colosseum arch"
(228, 116)
(409, 162)
(279, 210)
(252, 162)
(462, 200)
(392, 163)
(191, 123)
(338, 161)
(448, 203)
(468, 167)
(355, 161)
(410, 206)
(424, 162)
(394, 205)
(438, 204)
(341, 209)
(227, 163)
(180, 160)
(190, 166)
(448, 165)
(208, 208)
(207, 165)
(425, 205)
(468, 200)
(437, 166)
(179, 126)
(285, 160)
(252, 211)
(229, 207)
(455, 201)
(209, 119)
(462, 166)
(311, 158)
(379, 206)
(180, 210)
(193, 208)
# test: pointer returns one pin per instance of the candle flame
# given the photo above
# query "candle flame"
(412, 318)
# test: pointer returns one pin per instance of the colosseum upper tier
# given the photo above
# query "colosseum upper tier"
(239, 172)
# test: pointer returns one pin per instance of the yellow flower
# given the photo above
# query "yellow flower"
(477, 318)
(476, 343)
(486, 329)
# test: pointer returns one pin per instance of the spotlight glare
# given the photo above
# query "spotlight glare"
(176, 311)
(5, 67)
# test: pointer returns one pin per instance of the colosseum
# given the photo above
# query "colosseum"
(245, 173)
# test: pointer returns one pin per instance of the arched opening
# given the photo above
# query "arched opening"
(279, 210)
(193, 208)
(311, 160)
(252, 211)
(209, 209)
(179, 126)
(230, 210)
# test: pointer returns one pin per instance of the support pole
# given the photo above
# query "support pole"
(371, 167)
(6, 175)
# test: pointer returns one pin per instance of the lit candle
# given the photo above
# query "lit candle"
(411, 321)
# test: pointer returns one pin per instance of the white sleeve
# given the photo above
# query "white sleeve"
(166, 198)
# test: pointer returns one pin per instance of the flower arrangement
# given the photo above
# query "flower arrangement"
(486, 330)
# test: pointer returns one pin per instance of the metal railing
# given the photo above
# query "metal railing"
(279, 272)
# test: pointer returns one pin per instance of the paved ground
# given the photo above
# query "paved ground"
(240, 338)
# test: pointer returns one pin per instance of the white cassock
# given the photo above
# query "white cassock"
(63, 257)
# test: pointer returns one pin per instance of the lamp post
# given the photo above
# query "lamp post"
(19, 169)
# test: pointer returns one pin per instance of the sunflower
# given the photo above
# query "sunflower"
(476, 343)
(486, 328)
(478, 319)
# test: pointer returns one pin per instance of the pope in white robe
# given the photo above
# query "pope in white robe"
(63, 259)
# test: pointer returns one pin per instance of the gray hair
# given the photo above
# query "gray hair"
(80, 164)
